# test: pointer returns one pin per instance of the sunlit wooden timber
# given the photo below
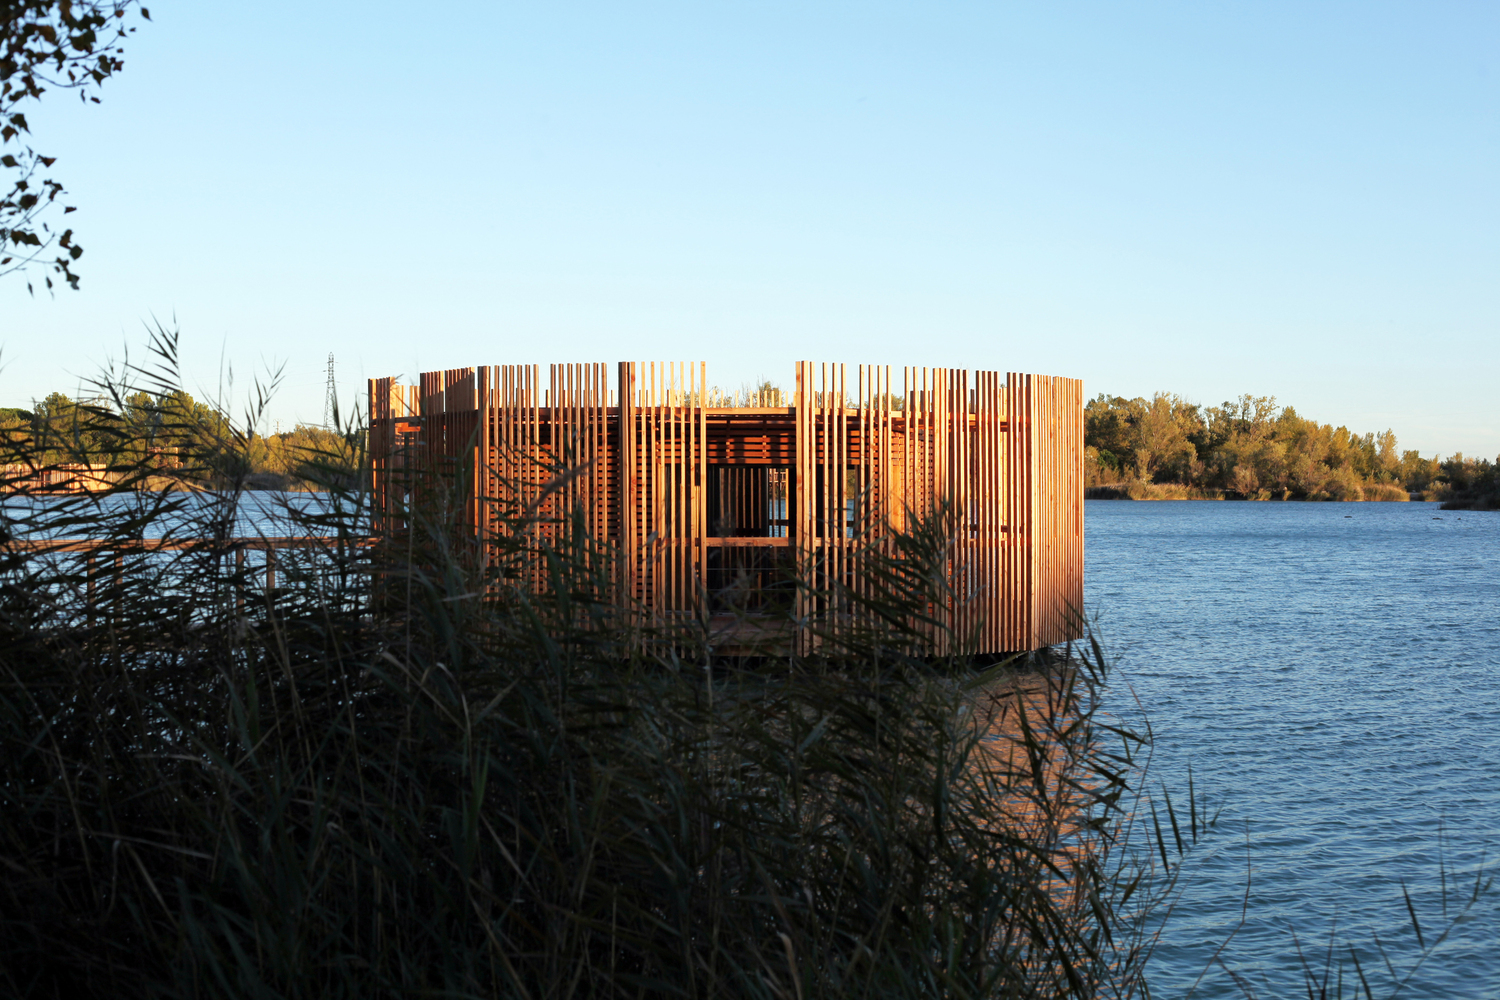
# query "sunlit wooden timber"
(74, 477)
(712, 503)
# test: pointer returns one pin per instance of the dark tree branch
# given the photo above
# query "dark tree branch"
(58, 45)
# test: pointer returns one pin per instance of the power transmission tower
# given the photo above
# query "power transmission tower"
(330, 401)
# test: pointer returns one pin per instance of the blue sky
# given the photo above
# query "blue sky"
(1296, 200)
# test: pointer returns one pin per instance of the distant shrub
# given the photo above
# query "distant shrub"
(1385, 491)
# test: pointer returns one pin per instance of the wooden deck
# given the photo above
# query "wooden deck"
(697, 497)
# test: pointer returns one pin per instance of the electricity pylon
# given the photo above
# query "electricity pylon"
(330, 401)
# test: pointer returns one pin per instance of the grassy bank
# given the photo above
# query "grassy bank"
(1137, 489)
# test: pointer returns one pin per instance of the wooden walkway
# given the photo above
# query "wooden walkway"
(705, 499)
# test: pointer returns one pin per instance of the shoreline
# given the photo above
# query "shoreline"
(1489, 502)
(1175, 491)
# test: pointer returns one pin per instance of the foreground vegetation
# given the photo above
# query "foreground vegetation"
(396, 772)
(1168, 448)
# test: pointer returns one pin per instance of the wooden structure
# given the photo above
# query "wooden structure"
(73, 477)
(711, 502)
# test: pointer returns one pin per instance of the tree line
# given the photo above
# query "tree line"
(1254, 448)
(1165, 446)
(171, 431)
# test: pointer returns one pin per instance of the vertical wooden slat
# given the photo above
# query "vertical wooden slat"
(625, 473)
(994, 490)
(1033, 491)
(679, 527)
(378, 408)
(803, 516)
(482, 509)
(700, 473)
(648, 483)
(658, 490)
(826, 556)
(532, 471)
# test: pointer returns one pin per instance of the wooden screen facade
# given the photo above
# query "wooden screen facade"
(711, 506)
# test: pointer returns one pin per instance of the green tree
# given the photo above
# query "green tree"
(1251, 446)
(1387, 464)
(53, 423)
(69, 431)
(1106, 430)
(48, 44)
(1162, 440)
(1416, 472)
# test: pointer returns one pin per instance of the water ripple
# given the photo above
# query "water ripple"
(1334, 678)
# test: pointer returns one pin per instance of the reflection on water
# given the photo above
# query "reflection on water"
(1332, 671)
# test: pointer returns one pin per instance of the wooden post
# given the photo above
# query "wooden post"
(802, 516)
(700, 494)
(625, 463)
(119, 601)
(88, 588)
(483, 466)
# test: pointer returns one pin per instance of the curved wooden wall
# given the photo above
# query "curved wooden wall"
(684, 487)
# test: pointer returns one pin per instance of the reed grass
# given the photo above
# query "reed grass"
(1387, 492)
(398, 772)
(1140, 489)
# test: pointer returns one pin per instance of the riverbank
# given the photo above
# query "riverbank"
(1477, 501)
(1137, 490)
(69, 480)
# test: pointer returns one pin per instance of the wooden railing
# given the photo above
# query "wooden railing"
(94, 551)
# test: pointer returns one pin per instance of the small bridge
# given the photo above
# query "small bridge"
(709, 499)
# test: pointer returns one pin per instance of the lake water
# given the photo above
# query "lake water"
(256, 513)
(1332, 674)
